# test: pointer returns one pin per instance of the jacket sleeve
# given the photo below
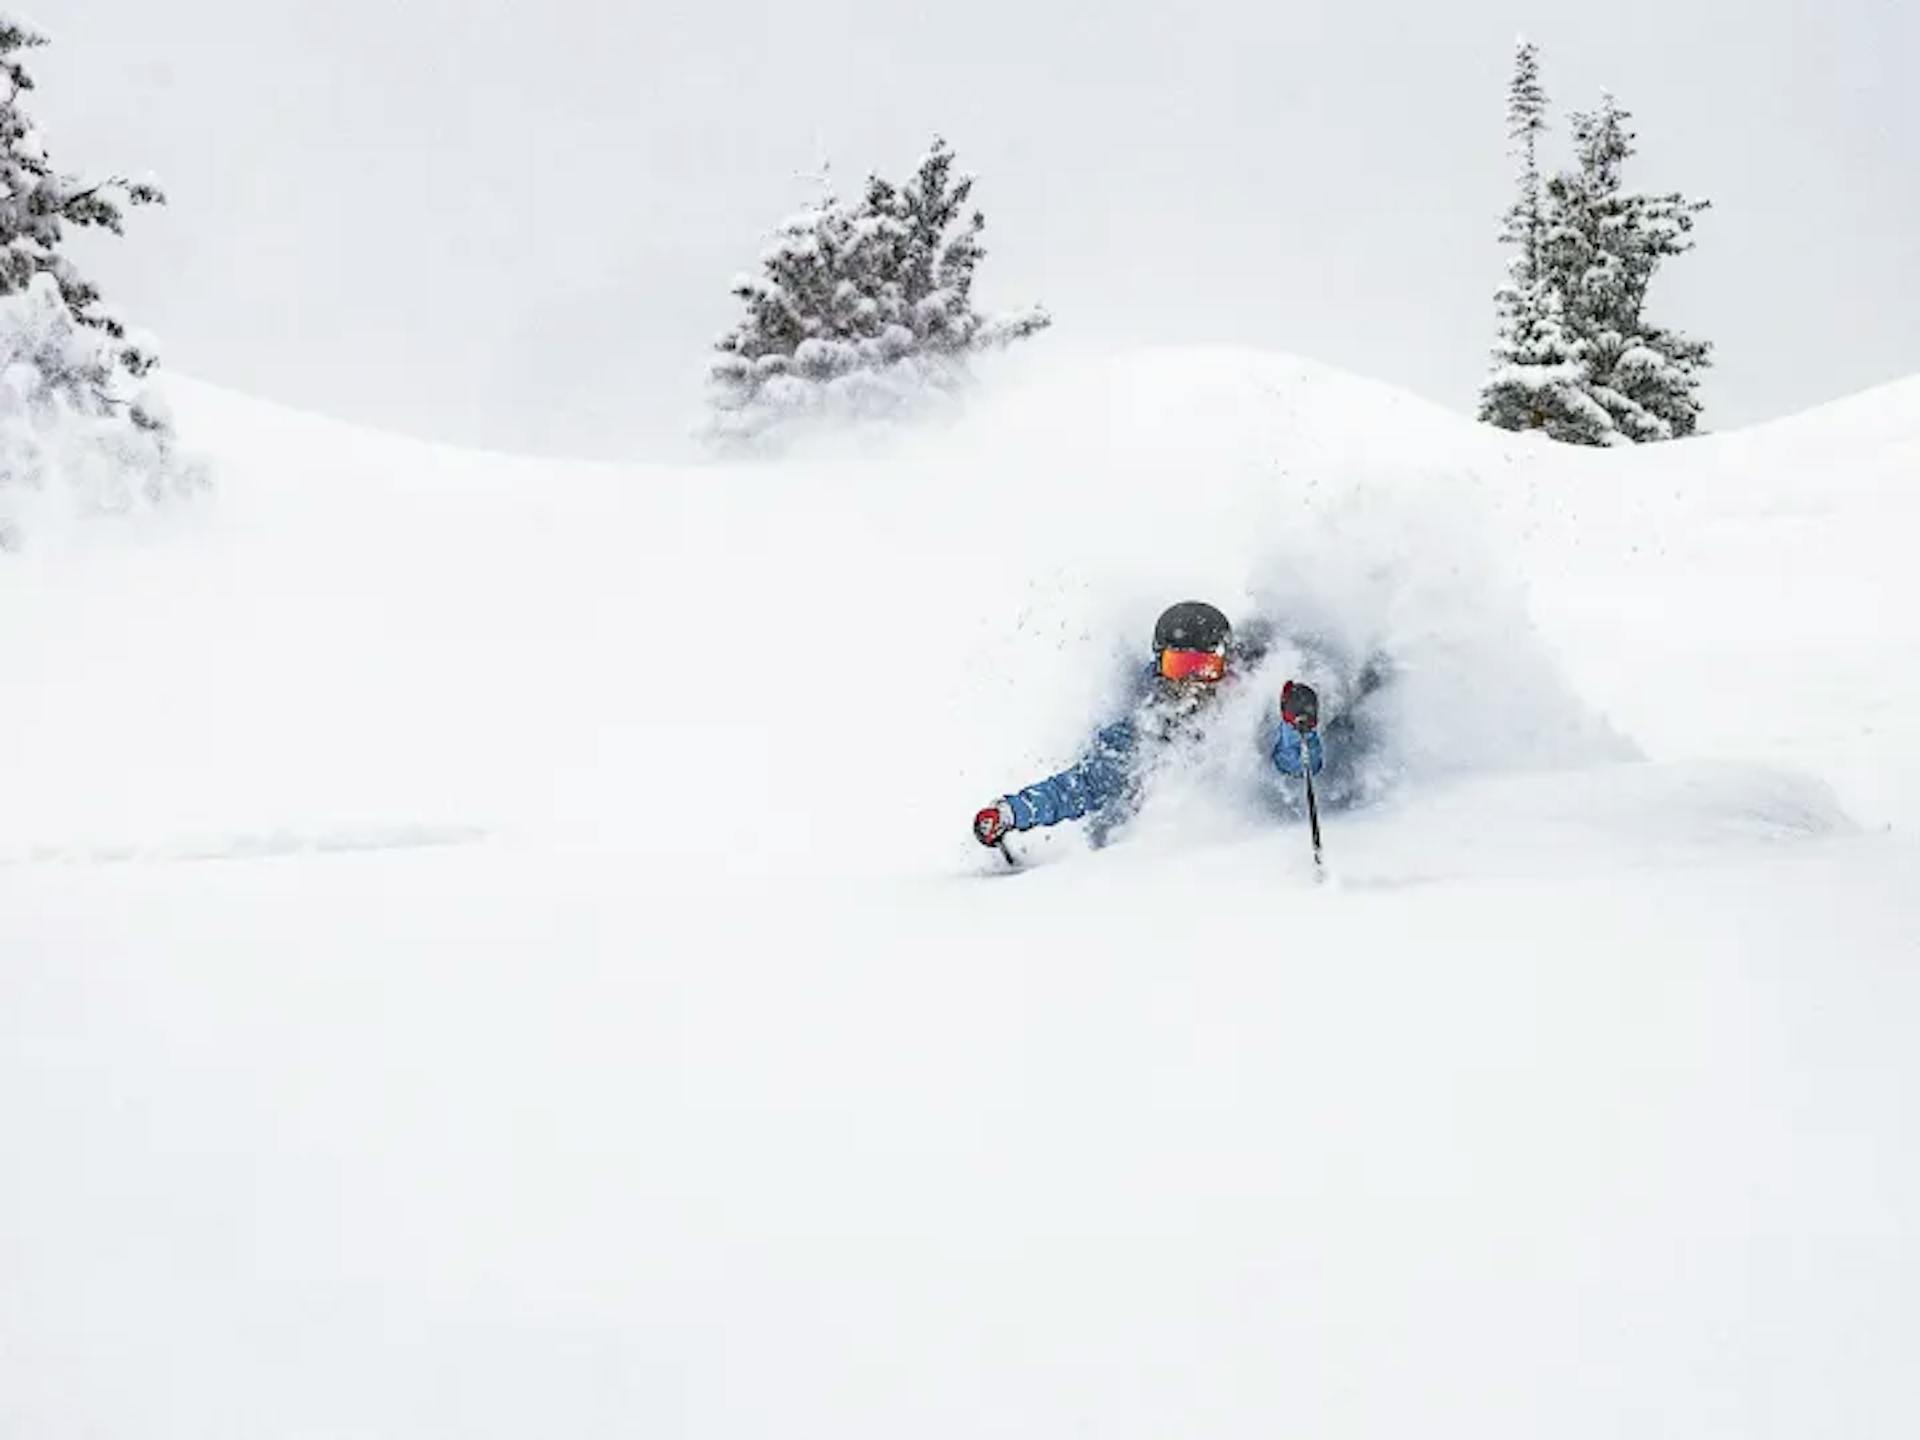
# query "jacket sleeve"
(1097, 778)
(1286, 751)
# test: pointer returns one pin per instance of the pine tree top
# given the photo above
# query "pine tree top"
(848, 292)
(1526, 96)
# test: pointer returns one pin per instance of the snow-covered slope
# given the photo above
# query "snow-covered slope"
(491, 947)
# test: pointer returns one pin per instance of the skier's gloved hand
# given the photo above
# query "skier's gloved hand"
(991, 825)
(1299, 706)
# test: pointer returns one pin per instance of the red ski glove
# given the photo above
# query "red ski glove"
(991, 825)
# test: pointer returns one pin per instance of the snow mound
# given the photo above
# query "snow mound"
(1885, 415)
(593, 1023)
(384, 633)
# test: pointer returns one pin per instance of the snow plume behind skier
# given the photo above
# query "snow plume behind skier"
(1421, 677)
(1409, 587)
(1189, 730)
(1370, 584)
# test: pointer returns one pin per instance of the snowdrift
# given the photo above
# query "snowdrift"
(491, 947)
(363, 635)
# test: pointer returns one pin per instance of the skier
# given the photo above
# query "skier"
(1192, 644)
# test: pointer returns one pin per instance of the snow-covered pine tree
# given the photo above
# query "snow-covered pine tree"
(1537, 378)
(1603, 246)
(36, 204)
(70, 371)
(860, 307)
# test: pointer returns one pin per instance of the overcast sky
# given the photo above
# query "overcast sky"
(513, 224)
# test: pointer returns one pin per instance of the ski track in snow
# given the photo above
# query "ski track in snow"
(255, 845)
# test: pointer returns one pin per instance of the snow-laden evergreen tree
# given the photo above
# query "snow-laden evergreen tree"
(71, 373)
(1538, 380)
(1604, 244)
(860, 309)
(37, 203)
(1576, 355)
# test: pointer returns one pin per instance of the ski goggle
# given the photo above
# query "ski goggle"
(1193, 664)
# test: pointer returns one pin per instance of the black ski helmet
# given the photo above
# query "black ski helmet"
(1191, 625)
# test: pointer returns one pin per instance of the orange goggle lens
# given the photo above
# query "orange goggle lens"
(1192, 664)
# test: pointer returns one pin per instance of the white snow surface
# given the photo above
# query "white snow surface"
(493, 948)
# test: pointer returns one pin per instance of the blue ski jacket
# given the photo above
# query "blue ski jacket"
(1108, 770)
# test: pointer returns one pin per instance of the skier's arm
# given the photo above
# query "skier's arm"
(1100, 776)
(1286, 751)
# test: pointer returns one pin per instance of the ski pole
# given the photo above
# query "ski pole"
(1313, 803)
(1300, 708)
(1005, 853)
